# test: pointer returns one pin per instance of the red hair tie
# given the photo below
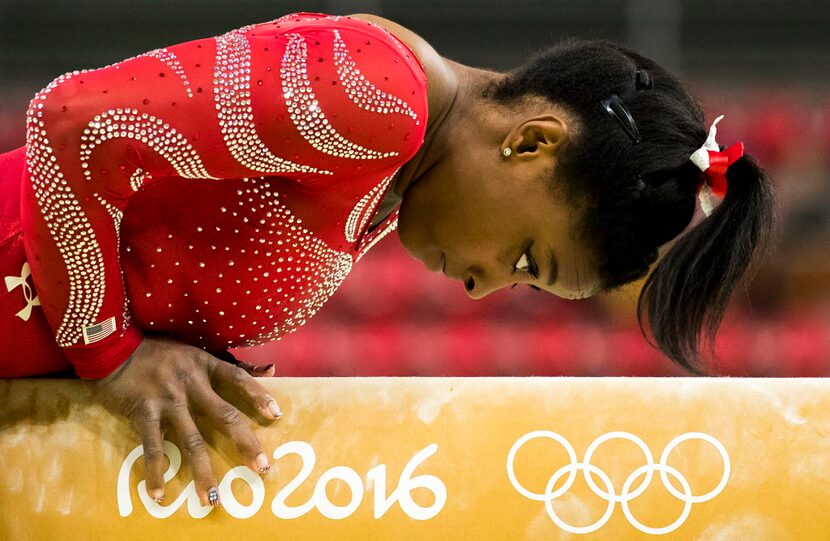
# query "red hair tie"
(713, 164)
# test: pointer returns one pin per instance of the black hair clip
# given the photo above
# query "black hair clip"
(643, 80)
(617, 108)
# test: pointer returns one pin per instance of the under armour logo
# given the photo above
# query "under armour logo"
(14, 281)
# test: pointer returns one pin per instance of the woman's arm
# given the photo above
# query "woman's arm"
(227, 107)
(237, 105)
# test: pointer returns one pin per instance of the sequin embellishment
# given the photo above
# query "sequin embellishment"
(171, 62)
(138, 178)
(233, 103)
(312, 277)
(362, 211)
(361, 91)
(67, 223)
(377, 235)
(152, 131)
(305, 110)
(112, 210)
(116, 215)
(305, 270)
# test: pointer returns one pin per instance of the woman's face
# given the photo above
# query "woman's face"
(492, 221)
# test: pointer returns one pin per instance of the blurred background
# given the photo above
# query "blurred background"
(765, 64)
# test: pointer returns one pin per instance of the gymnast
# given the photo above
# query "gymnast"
(214, 194)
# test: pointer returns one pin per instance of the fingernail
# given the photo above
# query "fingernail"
(262, 463)
(264, 368)
(274, 409)
(213, 497)
(157, 494)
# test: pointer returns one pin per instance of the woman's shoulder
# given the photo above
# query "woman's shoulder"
(439, 75)
(428, 57)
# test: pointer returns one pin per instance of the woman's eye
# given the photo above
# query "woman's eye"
(523, 264)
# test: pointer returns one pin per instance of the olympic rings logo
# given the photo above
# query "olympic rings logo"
(626, 495)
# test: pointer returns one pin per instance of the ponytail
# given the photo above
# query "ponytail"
(686, 295)
(637, 187)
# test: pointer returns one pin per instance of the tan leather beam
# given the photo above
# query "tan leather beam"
(442, 458)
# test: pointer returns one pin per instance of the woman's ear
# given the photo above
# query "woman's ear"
(537, 136)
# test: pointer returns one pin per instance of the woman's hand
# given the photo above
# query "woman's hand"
(266, 371)
(162, 385)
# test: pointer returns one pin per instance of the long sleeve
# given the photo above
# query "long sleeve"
(253, 101)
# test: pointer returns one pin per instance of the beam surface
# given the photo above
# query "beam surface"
(441, 458)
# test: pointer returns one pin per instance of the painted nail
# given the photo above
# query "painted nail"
(262, 463)
(213, 497)
(157, 495)
(274, 409)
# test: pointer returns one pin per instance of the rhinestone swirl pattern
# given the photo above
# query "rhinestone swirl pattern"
(361, 213)
(293, 269)
(305, 110)
(376, 236)
(67, 223)
(170, 60)
(152, 131)
(236, 119)
(116, 215)
(363, 93)
(138, 178)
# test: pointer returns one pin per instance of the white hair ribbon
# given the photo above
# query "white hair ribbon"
(713, 164)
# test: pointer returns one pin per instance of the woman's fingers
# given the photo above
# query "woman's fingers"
(193, 444)
(256, 371)
(227, 356)
(149, 427)
(266, 371)
(157, 386)
(241, 382)
(233, 424)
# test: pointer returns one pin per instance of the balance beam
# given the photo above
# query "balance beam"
(440, 458)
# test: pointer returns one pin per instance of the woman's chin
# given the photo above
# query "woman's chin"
(409, 243)
(432, 260)
(431, 257)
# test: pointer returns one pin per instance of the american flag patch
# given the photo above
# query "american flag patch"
(99, 331)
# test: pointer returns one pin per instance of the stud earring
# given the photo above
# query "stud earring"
(507, 152)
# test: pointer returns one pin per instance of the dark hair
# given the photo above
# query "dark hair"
(639, 196)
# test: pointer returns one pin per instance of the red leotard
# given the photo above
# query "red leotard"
(217, 191)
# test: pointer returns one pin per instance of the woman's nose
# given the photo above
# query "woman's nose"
(478, 287)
